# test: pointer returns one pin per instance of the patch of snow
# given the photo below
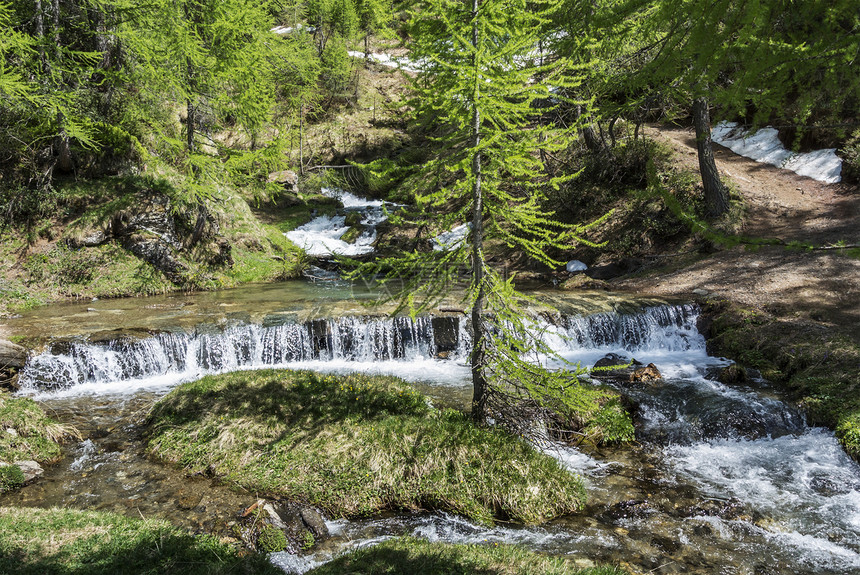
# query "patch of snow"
(285, 30)
(399, 62)
(764, 146)
(452, 239)
(575, 266)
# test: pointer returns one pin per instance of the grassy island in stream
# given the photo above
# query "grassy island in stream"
(66, 541)
(355, 445)
(26, 434)
(419, 557)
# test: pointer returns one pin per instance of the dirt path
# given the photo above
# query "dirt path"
(822, 286)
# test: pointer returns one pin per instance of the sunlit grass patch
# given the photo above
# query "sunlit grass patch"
(65, 541)
(420, 557)
(354, 445)
(27, 433)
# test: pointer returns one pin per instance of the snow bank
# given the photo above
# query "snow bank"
(401, 62)
(285, 30)
(452, 239)
(764, 146)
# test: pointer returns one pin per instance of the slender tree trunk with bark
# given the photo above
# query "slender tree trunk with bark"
(478, 360)
(40, 32)
(594, 142)
(716, 194)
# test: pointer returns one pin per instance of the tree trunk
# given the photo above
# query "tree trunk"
(594, 142)
(40, 32)
(479, 382)
(716, 195)
(55, 9)
(61, 144)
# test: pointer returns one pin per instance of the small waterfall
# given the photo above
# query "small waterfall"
(669, 328)
(346, 342)
(183, 355)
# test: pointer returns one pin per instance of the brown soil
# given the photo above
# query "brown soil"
(820, 285)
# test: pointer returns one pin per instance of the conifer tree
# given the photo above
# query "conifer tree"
(477, 93)
(755, 59)
(215, 57)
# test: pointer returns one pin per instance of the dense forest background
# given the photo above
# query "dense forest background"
(158, 139)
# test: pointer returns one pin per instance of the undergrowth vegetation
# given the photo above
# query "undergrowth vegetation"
(355, 445)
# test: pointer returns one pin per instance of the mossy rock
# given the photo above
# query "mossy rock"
(352, 234)
(352, 219)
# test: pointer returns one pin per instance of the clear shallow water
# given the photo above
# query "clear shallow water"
(724, 479)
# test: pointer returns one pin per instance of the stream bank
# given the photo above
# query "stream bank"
(706, 488)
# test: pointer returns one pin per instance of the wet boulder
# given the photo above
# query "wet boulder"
(351, 235)
(733, 373)
(646, 374)
(617, 368)
(12, 355)
(12, 358)
(446, 334)
(352, 219)
(315, 522)
(31, 470)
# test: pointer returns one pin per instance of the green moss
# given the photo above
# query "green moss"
(355, 445)
(420, 557)
(64, 541)
(271, 539)
(11, 477)
(351, 234)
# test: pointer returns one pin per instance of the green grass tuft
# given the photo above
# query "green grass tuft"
(271, 539)
(27, 433)
(419, 557)
(11, 477)
(354, 446)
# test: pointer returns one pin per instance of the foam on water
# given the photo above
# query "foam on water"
(805, 485)
(321, 237)
(401, 346)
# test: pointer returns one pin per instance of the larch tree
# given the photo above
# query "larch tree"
(479, 96)
(216, 58)
(753, 59)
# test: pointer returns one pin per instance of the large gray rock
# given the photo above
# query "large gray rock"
(287, 178)
(622, 370)
(31, 470)
(315, 522)
(158, 253)
(12, 355)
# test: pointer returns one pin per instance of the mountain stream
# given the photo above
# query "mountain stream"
(722, 479)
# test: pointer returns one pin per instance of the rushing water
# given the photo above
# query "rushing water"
(723, 479)
(322, 236)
